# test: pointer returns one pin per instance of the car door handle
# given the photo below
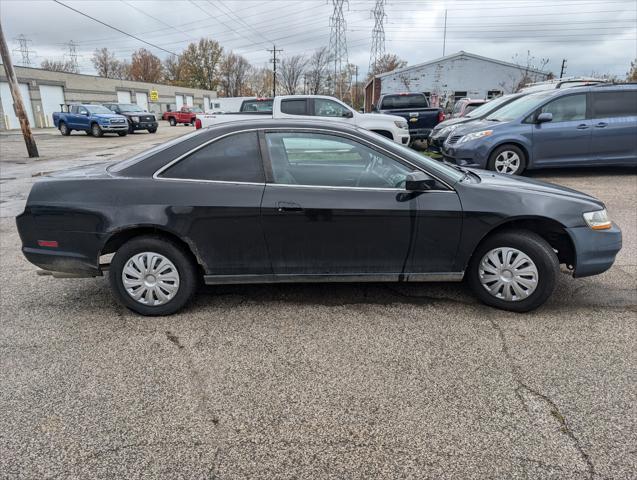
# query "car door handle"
(288, 207)
(582, 126)
(601, 125)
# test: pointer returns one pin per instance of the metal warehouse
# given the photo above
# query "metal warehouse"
(43, 91)
(450, 78)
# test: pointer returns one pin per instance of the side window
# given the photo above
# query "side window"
(567, 108)
(294, 106)
(73, 109)
(457, 107)
(328, 108)
(330, 160)
(615, 104)
(82, 110)
(235, 158)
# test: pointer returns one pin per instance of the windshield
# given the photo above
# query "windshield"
(519, 107)
(129, 107)
(416, 100)
(196, 110)
(97, 109)
(429, 164)
(486, 108)
(257, 106)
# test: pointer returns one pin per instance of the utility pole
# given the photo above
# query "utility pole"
(274, 62)
(378, 35)
(563, 69)
(23, 49)
(72, 46)
(18, 104)
(355, 87)
(444, 37)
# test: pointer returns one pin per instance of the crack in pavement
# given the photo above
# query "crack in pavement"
(554, 409)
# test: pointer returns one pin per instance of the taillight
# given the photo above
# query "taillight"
(441, 116)
(48, 243)
(197, 123)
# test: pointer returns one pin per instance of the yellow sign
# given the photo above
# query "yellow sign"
(154, 95)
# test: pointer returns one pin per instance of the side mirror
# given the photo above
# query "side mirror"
(544, 117)
(348, 114)
(418, 181)
(85, 113)
(374, 108)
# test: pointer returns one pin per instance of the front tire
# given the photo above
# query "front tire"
(153, 275)
(172, 121)
(64, 129)
(122, 134)
(96, 130)
(515, 270)
(507, 159)
(152, 130)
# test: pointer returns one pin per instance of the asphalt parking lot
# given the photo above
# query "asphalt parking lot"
(312, 381)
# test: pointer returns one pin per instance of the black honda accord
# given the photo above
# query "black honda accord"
(298, 201)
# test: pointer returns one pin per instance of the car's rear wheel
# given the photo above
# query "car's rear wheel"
(96, 130)
(131, 129)
(152, 130)
(122, 134)
(515, 270)
(153, 275)
(172, 121)
(64, 129)
(507, 159)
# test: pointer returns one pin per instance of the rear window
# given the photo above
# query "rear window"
(257, 105)
(294, 107)
(404, 101)
(235, 158)
(615, 104)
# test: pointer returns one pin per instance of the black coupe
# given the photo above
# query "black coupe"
(298, 201)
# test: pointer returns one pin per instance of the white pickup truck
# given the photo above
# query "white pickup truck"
(327, 108)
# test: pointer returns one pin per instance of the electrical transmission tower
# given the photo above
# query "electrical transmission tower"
(338, 45)
(378, 35)
(72, 54)
(23, 49)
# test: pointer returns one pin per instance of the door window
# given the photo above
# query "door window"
(615, 104)
(294, 107)
(568, 108)
(235, 158)
(82, 111)
(329, 108)
(330, 160)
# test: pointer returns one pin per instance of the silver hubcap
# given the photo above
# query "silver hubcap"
(150, 278)
(508, 274)
(507, 162)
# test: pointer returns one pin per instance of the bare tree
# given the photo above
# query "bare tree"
(172, 68)
(317, 71)
(200, 64)
(105, 63)
(387, 63)
(259, 82)
(122, 70)
(59, 66)
(631, 75)
(145, 67)
(291, 72)
(233, 71)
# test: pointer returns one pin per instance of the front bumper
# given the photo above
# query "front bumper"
(114, 128)
(464, 156)
(595, 250)
(144, 125)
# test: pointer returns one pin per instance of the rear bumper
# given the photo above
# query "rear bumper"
(595, 250)
(61, 261)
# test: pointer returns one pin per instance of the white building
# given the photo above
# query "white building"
(449, 78)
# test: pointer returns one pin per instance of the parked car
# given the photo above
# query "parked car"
(302, 201)
(579, 126)
(138, 118)
(441, 131)
(92, 119)
(326, 108)
(186, 115)
(413, 107)
(561, 83)
(465, 105)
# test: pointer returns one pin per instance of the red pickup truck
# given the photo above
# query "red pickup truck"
(185, 115)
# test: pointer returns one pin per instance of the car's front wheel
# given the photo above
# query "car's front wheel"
(513, 270)
(152, 130)
(96, 130)
(153, 275)
(122, 134)
(64, 129)
(172, 121)
(507, 159)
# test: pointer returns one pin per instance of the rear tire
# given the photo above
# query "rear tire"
(179, 268)
(507, 159)
(172, 121)
(64, 129)
(96, 130)
(122, 134)
(152, 130)
(515, 270)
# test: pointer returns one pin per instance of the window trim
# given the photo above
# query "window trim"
(156, 175)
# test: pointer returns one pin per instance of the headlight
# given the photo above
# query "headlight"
(475, 135)
(135, 119)
(446, 131)
(401, 124)
(598, 220)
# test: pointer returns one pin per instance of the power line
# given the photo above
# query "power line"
(115, 28)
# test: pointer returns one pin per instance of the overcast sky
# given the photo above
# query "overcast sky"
(593, 35)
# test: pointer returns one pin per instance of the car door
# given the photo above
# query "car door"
(614, 119)
(335, 206)
(82, 118)
(566, 139)
(215, 201)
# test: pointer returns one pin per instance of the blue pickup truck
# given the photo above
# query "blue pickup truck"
(95, 120)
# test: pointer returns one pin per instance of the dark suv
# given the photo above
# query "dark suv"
(138, 118)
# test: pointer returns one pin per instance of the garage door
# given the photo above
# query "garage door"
(206, 104)
(189, 101)
(123, 96)
(52, 96)
(7, 104)
(142, 99)
(179, 101)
